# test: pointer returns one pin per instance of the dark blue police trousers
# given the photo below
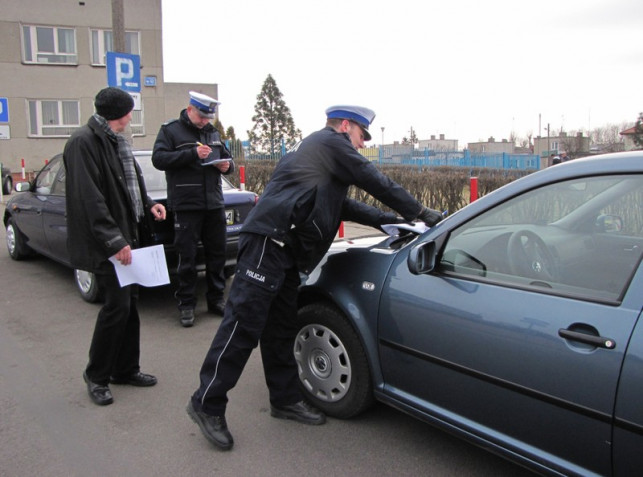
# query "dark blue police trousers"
(261, 309)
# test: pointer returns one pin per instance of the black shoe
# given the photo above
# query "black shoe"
(139, 379)
(300, 412)
(99, 393)
(187, 318)
(217, 308)
(214, 428)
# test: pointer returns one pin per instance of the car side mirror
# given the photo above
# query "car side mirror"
(608, 224)
(421, 258)
(22, 186)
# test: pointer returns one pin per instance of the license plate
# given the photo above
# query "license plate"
(229, 217)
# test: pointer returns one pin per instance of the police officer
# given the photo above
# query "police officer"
(288, 232)
(190, 151)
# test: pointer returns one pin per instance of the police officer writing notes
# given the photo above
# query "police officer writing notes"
(185, 149)
(106, 202)
(288, 232)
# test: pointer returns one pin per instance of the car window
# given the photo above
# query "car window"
(581, 238)
(58, 187)
(45, 180)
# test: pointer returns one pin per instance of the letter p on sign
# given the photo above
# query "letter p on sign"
(124, 71)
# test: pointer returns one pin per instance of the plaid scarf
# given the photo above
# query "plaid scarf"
(129, 169)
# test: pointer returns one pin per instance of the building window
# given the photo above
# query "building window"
(102, 42)
(46, 44)
(53, 117)
(136, 124)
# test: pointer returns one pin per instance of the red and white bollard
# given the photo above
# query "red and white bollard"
(22, 161)
(242, 177)
(340, 232)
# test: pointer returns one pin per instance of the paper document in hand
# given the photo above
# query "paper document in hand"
(394, 229)
(214, 161)
(148, 268)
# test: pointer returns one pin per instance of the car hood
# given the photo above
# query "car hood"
(362, 257)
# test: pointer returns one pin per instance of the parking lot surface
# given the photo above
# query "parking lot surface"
(49, 427)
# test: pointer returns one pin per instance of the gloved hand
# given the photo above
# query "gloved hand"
(429, 216)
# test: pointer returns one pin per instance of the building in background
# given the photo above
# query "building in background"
(575, 146)
(53, 64)
(628, 138)
(491, 147)
(440, 144)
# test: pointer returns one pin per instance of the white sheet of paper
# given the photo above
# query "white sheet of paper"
(148, 268)
(215, 161)
(394, 229)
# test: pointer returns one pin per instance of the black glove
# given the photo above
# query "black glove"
(429, 216)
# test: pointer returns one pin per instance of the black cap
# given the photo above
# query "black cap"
(113, 103)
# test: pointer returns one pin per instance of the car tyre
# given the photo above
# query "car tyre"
(7, 186)
(16, 243)
(87, 286)
(333, 369)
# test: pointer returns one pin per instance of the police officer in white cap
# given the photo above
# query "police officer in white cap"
(288, 232)
(182, 149)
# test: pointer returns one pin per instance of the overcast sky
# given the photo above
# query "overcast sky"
(468, 69)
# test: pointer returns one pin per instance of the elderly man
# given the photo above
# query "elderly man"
(288, 232)
(106, 202)
(190, 151)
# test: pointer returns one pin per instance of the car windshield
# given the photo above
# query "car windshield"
(155, 179)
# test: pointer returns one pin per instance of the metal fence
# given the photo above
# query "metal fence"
(430, 158)
(407, 155)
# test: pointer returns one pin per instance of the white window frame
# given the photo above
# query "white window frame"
(97, 58)
(31, 53)
(60, 128)
(137, 124)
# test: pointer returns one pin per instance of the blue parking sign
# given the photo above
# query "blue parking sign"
(4, 110)
(124, 71)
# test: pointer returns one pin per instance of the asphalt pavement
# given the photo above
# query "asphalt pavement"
(49, 427)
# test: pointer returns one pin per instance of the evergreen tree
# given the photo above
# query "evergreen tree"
(219, 127)
(273, 122)
(638, 132)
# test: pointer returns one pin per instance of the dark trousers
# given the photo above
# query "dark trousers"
(115, 347)
(209, 227)
(261, 308)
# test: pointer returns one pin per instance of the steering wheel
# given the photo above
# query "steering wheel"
(530, 257)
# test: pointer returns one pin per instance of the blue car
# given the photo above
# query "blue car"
(514, 323)
(36, 221)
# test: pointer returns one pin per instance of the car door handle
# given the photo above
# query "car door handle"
(598, 341)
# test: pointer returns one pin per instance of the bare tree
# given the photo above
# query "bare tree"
(607, 138)
(412, 139)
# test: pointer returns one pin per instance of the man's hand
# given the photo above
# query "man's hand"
(223, 166)
(203, 151)
(429, 216)
(158, 212)
(124, 255)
